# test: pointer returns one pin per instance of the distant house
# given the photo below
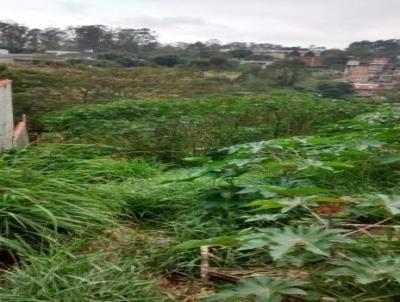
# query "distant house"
(274, 53)
(262, 64)
(359, 74)
(386, 78)
(21, 58)
(312, 61)
(60, 52)
(365, 89)
(380, 61)
(278, 53)
(368, 78)
(351, 65)
(65, 54)
(377, 66)
(49, 55)
(317, 50)
(10, 137)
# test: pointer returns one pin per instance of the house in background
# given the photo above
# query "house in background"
(311, 61)
(262, 64)
(359, 74)
(49, 55)
(10, 137)
(350, 66)
(366, 90)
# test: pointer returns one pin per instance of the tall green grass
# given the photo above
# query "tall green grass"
(34, 207)
(65, 277)
(49, 192)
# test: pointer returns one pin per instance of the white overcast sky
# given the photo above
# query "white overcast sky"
(332, 23)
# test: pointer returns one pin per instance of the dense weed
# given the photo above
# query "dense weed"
(172, 129)
(286, 159)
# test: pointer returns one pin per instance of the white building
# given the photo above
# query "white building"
(10, 137)
(6, 116)
(262, 64)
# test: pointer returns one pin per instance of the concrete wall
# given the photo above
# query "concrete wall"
(6, 116)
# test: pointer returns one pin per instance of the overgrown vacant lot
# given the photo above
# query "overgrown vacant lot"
(172, 129)
(44, 88)
(302, 190)
(40, 89)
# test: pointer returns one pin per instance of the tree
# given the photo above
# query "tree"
(167, 60)
(286, 73)
(334, 57)
(338, 90)
(96, 37)
(13, 36)
(53, 38)
(33, 40)
(295, 53)
(368, 49)
(240, 53)
(310, 54)
(135, 40)
(19, 38)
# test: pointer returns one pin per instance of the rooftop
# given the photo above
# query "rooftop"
(353, 63)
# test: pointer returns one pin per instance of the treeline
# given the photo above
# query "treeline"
(364, 51)
(100, 38)
(19, 38)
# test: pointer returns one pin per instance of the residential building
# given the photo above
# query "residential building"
(351, 65)
(377, 66)
(312, 61)
(359, 74)
(365, 89)
(317, 50)
(262, 64)
(279, 53)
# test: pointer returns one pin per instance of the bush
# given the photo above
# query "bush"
(337, 90)
(168, 61)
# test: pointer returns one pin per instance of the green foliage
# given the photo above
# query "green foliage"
(47, 192)
(303, 171)
(288, 240)
(338, 90)
(35, 208)
(332, 57)
(173, 129)
(41, 89)
(261, 289)
(369, 270)
(240, 53)
(66, 277)
(295, 194)
(370, 49)
(168, 61)
(286, 73)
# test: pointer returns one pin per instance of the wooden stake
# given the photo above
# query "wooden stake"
(204, 265)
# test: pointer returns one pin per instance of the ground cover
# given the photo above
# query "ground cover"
(310, 201)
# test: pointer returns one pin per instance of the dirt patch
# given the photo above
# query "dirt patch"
(184, 288)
